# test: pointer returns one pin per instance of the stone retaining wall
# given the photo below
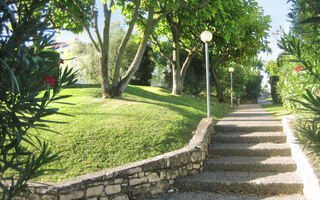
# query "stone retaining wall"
(134, 180)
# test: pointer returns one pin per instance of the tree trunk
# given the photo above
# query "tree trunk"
(217, 85)
(124, 42)
(105, 56)
(176, 78)
(185, 66)
(104, 76)
(117, 90)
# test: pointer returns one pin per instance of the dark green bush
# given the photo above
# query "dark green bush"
(195, 80)
(253, 86)
(276, 99)
(144, 74)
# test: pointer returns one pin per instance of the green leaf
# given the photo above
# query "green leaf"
(311, 20)
(13, 77)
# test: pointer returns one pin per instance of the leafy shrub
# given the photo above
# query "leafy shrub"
(299, 89)
(274, 72)
(162, 70)
(308, 129)
(246, 82)
(253, 85)
(30, 80)
(276, 98)
(238, 82)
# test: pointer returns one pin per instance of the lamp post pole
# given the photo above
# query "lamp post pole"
(231, 91)
(231, 70)
(206, 37)
(207, 79)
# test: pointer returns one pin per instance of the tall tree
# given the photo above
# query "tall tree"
(182, 28)
(84, 16)
(84, 57)
(241, 31)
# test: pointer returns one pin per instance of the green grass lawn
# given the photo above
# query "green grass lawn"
(103, 134)
(277, 110)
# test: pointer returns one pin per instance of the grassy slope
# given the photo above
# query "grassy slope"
(107, 133)
(277, 110)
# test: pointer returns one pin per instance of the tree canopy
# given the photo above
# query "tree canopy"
(241, 33)
(85, 14)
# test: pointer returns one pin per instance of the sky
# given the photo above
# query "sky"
(278, 10)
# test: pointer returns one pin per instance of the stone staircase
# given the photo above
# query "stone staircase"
(248, 159)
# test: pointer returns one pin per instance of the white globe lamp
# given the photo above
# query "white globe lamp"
(206, 36)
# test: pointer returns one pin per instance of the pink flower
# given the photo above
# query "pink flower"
(49, 80)
(317, 92)
(61, 61)
(298, 68)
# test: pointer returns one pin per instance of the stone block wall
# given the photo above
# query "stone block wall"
(134, 180)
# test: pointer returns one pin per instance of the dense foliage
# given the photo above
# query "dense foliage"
(246, 82)
(239, 30)
(84, 58)
(241, 35)
(195, 82)
(30, 79)
(299, 71)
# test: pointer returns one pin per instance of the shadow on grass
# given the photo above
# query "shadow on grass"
(174, 102)
(85, 86)
(167, 98)
(276, 110)
(191, 110)
(178, 104)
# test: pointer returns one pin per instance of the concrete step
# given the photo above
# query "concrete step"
(247, 182)
(248, 128)
(250, 149)
(216, 196)
(247, 137)
(253, 164)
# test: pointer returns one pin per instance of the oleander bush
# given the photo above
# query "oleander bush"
(31, 79)
(299, 72)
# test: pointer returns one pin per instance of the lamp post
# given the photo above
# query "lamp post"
(231, 70)
(206, 37)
